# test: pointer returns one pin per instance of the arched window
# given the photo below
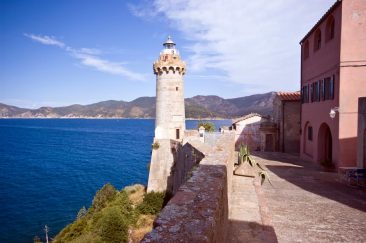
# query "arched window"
(329, 29)
(317, 40)
(306, 50)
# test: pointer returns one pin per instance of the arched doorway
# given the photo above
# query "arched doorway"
(325, 145)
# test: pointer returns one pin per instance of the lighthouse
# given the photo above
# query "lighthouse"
(170, 116)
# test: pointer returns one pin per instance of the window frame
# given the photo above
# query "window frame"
(317, 40)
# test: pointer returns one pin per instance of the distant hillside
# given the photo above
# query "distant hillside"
(144, 107)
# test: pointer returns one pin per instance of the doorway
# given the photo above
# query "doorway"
(325, 145)
(269, 143)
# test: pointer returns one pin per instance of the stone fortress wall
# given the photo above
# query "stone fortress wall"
(198, 211)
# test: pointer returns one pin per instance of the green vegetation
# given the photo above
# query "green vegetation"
(209, 126)
(152, 203)
(155, 145)
(114, 216)
(245, 157)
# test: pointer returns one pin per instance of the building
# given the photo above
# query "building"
(170, 115)
(286, 116)
(333, 76)
(247, 130)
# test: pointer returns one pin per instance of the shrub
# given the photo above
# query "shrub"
(152, 203)
(72, 231)
(155, 145)
(88, 237)
(113, 226)
(123, 203)
(104, 195)
(245, 157)
(209, 126)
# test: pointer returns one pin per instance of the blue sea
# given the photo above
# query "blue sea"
(50, 168)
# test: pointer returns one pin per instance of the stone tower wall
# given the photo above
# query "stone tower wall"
(170, 114)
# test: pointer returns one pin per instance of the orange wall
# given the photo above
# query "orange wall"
(352, 74)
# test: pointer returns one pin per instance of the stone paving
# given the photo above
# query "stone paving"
(305, 204)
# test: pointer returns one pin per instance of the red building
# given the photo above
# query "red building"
(333, 76)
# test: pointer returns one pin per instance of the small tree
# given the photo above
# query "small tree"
(104, 195)
(209, 126)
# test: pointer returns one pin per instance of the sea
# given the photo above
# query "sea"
(50, 168)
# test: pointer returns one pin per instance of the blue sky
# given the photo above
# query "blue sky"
(55, 53)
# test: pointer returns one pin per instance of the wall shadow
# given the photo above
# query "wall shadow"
(186, 158)
(246, 231)
(312, 178)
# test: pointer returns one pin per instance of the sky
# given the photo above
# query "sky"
(56, 53)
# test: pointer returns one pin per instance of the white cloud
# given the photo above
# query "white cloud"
(106, 66)
(255, 43)
(46, 40)
(90, 57)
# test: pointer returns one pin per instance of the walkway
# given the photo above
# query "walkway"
(305, 204)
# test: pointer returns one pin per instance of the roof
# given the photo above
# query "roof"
(289, 96)
(247, 117)
(169, 41)
(330, 10)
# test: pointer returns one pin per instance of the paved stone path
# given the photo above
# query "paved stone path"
(305, 204)
(244, 205)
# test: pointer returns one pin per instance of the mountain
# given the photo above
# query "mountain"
(144, 107)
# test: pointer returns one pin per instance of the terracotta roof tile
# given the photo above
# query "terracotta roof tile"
(247, 117)
(289, 95)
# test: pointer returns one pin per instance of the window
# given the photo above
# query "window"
(176, 88)
(329, 88)
(317, 90)
(305, 94)
(329, 29)
(321, 87)
(317, 40)
(177, 134)
(310, 133)
(306, 50)
(312, 92)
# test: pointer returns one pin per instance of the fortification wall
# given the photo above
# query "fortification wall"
(162, 160)
(185, 159)
(198, 212)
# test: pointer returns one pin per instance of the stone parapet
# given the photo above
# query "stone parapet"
(169, 62)
(198, 212)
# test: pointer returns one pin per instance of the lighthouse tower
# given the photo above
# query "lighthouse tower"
(170, 115)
